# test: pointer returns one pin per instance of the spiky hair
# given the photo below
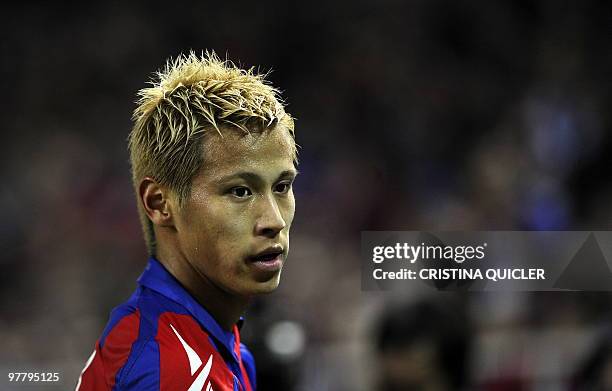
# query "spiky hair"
(191, 96)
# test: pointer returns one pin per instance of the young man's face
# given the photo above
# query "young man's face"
(234, 226)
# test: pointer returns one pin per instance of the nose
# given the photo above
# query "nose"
(270, 221)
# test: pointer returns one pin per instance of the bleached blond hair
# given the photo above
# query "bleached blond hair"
(191, 96)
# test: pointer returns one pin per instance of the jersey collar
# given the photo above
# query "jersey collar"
(157, 278)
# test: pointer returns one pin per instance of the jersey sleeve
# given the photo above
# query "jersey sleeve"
(92, 377)
(109, 359)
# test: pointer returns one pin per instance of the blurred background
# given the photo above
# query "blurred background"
(412, 115)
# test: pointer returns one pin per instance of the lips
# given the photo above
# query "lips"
(267, 255)
(267, 261)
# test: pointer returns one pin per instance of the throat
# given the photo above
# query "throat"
(226, 308)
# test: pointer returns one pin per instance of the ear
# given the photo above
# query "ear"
(156, 201)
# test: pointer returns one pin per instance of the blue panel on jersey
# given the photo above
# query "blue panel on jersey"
(141, 372)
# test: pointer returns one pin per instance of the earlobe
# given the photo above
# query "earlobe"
(155, 201)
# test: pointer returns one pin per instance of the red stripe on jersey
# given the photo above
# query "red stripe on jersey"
(184, 354)
(92, 377)
(101, 373)
(245, 376)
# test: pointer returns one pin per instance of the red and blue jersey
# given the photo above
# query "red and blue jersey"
(163, 339)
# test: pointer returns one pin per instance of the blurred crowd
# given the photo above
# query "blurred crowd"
(411, 115)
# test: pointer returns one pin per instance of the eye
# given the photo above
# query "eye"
(240, 192)
(283, 187)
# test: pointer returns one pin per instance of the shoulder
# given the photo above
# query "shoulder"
(112, 350)
(125, 347)
(152, 343)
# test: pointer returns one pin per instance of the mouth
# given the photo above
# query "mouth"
(269, 260)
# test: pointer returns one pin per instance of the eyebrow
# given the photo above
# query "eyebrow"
(252, 177)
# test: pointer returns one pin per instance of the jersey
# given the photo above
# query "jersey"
(163, 339)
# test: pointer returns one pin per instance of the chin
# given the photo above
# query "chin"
(264, 287)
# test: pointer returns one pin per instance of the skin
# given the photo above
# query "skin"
(241, 203)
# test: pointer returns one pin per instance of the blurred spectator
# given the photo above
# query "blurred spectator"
(595, 372)
(424, 346)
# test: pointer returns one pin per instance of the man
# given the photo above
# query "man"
(213, 161)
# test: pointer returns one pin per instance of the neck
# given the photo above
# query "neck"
(225, 307)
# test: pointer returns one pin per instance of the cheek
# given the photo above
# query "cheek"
(206, 225)
(229, 227)
(234, 220)
(215, 238)
(289, 209)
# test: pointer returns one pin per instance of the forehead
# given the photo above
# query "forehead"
(239, 151)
